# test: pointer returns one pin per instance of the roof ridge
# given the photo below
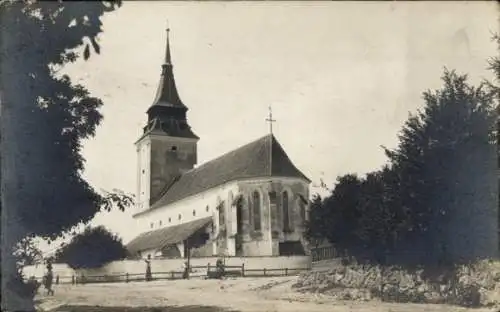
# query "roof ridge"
(250, 160)
(228, 153)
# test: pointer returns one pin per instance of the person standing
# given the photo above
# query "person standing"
(149, 276)
(48, 278)
(185, 269)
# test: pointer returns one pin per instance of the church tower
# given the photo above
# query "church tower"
(168, 146)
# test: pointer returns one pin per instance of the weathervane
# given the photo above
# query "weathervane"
(270, 120)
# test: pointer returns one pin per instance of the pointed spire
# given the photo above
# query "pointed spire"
(166, 94)
(168, 58)
(167, 112)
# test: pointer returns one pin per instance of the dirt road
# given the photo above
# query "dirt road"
(245, 295)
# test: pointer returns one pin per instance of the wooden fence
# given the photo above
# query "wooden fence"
(326, 253)
(195, 272)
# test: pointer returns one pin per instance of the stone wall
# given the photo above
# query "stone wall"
(167, 163)
(39, 270)
(168, 265)
(472, 285)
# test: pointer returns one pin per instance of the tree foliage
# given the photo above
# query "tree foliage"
(437, 184)
(52, 114)
(27, 252)
(45, 119)
(92, 248)
(429, 194)
(316, 229)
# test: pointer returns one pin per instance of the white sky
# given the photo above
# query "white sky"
(341, 77)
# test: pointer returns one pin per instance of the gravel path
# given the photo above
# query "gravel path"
(248, 294)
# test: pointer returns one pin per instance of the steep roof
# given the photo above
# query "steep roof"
(167, 113)
(161, 238)
(166, 94)
(261, 158)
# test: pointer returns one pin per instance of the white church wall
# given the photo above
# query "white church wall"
(261, 242)
(143, 173)
(169, 215)
(253, 245)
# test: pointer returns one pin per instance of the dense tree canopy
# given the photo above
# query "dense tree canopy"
(52, 114)
(45, 119)
(438, 187)
(91, 249)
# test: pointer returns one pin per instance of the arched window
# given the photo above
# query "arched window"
(256, 211)
(274, 212)
(222, 217)
(286, 212)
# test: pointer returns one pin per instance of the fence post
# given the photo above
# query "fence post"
(264, 271)
(126, 277)
(243, 269)
(57, 279)
(286, 271)
(72, 280)
(172, 272)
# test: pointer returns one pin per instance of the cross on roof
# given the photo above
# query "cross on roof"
(270, 120)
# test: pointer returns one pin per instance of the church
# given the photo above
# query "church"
(252, 201)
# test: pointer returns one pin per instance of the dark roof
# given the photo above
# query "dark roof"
(161, 238)
(167, 95)
(171, 128)
(255, 159)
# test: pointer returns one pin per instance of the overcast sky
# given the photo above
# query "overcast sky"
(341, 77)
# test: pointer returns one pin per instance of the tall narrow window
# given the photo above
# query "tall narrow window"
(222, 217)
(286, 212)
(274, 212)
(256, 211)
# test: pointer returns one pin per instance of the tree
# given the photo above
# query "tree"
(92, 248)
(45, 118)
(27, 253)
(335, 218)
(494, 86)
(359, 216)
(316, 227)
(447, 198)
(377, 222)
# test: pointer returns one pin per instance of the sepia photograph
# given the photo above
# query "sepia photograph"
(250, 156)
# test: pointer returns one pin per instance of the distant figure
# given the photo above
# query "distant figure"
(220, 268)
(149, 277)
(47, 279)
(185, 269)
